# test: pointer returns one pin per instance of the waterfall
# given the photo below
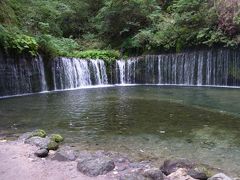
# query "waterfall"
(216, 67)
(120, 67)
(69, 73)
(21, 76)
(210, 67)
(99, 71)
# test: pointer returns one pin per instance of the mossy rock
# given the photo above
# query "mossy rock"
(56, 138)
(39, 133)
(52, 145)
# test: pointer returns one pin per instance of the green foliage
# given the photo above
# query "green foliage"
(13, 40)
(106, 55)
(119, 20)
(53, 47)
(68, 28)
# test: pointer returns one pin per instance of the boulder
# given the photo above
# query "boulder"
(133, 176)
(38, 133)
(25, 136)
(52, 145)
(41, 153)
(154, 174)
(193, 170)
(170, 166)
(195, 173)
(65, 154)
(93, 165)
(180, 174)
(43, 143)
(38, 141)
(220, 176)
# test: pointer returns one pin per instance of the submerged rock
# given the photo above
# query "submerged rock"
(65, 154)
(220, 176)
(41, 153)
(94, 165)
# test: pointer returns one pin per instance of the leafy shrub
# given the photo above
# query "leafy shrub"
(106, 55)
(14, 40)
(53, 47)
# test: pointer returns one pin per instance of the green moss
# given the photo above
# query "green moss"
(52, 145)
(57, 138)
(39, 133)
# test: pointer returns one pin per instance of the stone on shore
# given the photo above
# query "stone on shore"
(170, 166)
(133, 176)
(193, 170)
(154, 174)
(52, 145)
(42, 143)
(94, 165)
(220, 176)
(65, 154)
(180, 174)
(38, 141)
(41, 153)
(37, 133)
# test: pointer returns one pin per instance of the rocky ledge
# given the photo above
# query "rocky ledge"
(101, 164)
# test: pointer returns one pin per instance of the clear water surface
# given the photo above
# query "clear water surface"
(146, 122)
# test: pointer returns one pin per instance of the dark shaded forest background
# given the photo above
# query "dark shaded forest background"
(69, 28)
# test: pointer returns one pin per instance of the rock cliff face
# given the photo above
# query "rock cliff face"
(21, 75)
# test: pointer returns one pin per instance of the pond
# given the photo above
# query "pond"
(146, 122)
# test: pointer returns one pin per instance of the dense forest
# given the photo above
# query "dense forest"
(108, 28)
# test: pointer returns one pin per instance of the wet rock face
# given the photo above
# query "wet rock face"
(220, 176)
(94, 165)
(65, 154)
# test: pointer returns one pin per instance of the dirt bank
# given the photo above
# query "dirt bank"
(17, 162)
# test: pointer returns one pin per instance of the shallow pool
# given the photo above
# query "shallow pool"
(146, 122)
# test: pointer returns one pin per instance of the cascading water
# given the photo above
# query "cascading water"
(216, 67)
(99, 71)
(219, 67)
(20, 76)
(120, 67)
(73, 73)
